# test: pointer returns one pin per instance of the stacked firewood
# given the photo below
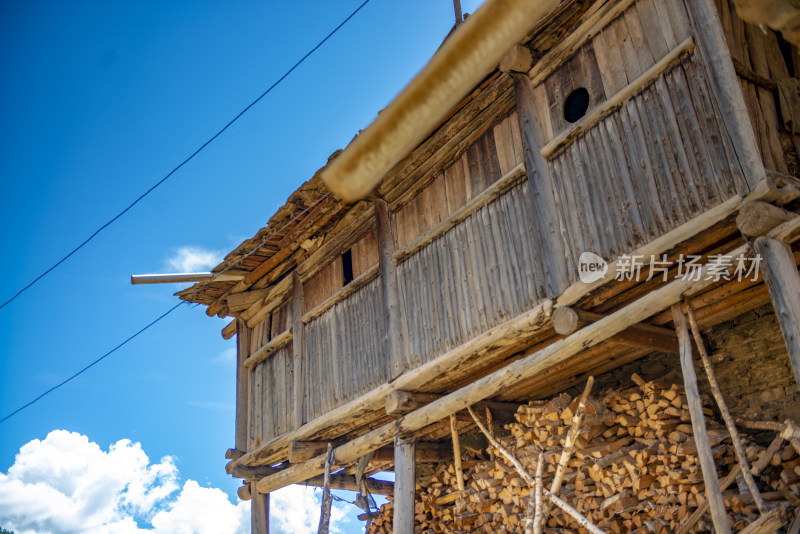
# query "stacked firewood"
(634, 468)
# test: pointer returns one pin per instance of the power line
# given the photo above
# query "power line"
(230, 266)
(191, 157)
(98, 360)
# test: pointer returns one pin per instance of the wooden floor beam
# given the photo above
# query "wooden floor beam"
(567, 320)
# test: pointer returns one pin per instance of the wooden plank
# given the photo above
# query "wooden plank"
(259, 511)
(299, 355)
(719, 68)
(242, 386)
(540, 180)
(783, 283)
(395, 346)
(706, 456)
(267, 349)
(405, 484)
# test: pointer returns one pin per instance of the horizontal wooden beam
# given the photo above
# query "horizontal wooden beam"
(241, 301)
(506, 377)
(757, 217)
(403, 402)
(230, 330)
(337, 482)
(427, 452)
(567, 320)
(274, 344)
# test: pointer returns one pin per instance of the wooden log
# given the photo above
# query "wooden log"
(405, 484)
(466, 57)
(395, 345)
(757, 217)
(713, 491)
(426, 451)
(773, 449)
(327, 500)
(517, 59)
(274, 344)
(403, 402)
(241, 301)
(738, 446)
(299, 357)
(503, 378)
(230, 330)
(538, 513)
(722, 75)
(783, 284)
(457, 458)
(234, 454)
(259, 511)
(766, 524)
(549, 243)
(242, 387)
(300, 451)
(244, 492)
(567, 320)
(703, 508)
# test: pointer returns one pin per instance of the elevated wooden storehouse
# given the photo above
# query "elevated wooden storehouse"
(660, 129)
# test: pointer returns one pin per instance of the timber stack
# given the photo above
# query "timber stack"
(634, 469)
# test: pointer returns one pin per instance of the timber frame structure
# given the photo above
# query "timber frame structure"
(455, 280)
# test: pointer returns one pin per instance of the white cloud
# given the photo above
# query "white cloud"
(66, 484)
(226, 356)
(296, 509)
(191, 259)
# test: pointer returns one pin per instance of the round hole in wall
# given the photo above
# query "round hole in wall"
(576, 104)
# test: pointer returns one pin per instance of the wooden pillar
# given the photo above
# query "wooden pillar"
(259, 511)
(728, 93)
(397, 356)
(783, 284)
(547, 236)
(405, 475)
(713, 491)
(298, 349)
(242, 385)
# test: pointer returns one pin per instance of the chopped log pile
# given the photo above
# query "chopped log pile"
(634, 468)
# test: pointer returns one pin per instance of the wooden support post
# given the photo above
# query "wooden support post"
(259, 511)
(544, 212)
(566, 320)
(325, 513)
(242, 385)
(783, 284)
(396, 355)
(405, 482)
(713, 491)
(298, 349)
(457, 461)
(738, 446)
(729, 100)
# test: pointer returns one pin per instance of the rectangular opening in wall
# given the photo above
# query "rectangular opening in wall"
(347, 267)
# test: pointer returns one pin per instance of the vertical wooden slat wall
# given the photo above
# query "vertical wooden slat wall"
(344, 350)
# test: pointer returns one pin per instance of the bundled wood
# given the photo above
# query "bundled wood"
(634, 467)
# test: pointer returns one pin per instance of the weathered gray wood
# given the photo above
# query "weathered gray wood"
(713, 491)
(729, 100)
(549, 244)
(757, 217)
(242, 385)
(259, 511)
(783, 284)
(327, 499)
(298, 350)
(396, 354)
(404, 486)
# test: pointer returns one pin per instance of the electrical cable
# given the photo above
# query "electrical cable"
(188, 159)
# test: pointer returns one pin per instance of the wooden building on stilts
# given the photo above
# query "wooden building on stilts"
(568, 190)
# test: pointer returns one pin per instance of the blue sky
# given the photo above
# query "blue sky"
(99, 100)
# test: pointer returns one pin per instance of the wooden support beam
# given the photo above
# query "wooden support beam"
(233, 454)
(242, 386)
(298, 351)
(405, 484)
(547, 232)
(394, 349)
(242, 301)
(230, 330)
(729, 101)
(567, 320)
(783, 284)
(457, 459)
(426, 452)
(259, 511)
(757, 217)
(300, 451)
(503, 378)
(403, 402)
(517, 59)
(707, 465)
